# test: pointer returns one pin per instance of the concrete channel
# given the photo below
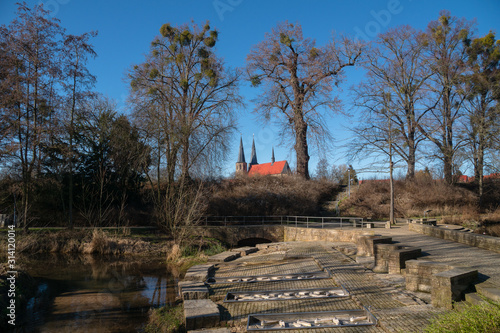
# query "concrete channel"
(321, 289)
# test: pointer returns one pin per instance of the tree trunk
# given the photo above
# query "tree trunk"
(480, 167)
(410, 173)
(301, 148)
(448, 167)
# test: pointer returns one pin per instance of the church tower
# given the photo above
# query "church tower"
(241, 165)
(253, 158)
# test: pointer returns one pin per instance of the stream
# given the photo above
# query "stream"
(83, 293)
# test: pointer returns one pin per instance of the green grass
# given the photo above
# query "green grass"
(168, 319)
(481, 318)
(208, 247)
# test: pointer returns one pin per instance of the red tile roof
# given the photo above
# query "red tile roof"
(267, 169)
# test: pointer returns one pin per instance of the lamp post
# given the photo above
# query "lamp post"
(387, 99)
(349, 179)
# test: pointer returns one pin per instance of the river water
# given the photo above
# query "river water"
(96, 294)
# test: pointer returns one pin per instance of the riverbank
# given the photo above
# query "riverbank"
(88, 241)
(90, 247)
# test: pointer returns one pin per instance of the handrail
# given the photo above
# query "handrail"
(308, 221)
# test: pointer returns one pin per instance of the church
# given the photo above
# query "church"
(273, 168)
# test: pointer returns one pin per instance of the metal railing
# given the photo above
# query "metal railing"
(297, 221)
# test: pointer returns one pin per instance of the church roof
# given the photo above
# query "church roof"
(275, 168)
(253, 158)
(241, 155)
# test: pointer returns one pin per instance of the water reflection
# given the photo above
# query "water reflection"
(90, 294)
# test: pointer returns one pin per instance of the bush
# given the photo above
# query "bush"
(468, 318)
(168, 319)
(412, 198)
(267, 195)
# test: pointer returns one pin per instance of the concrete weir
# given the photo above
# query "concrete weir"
(273, 286)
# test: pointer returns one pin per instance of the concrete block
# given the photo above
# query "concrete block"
(224, 256)
(366, 244)
(212, 330)
(199, 272)
(193, 290)
(474, 298)
(489, 291)
(419, 273)
(398, 258)
(449, 286)
(382, 254)
(202, 313)
(243, 251)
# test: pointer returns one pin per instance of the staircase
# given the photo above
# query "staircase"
(485, 291)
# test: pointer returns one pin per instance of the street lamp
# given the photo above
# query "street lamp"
(349, 179)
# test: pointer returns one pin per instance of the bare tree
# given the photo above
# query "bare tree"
(480, 86)
(298, 80)
(392, 93)
(32, 44)
(77, 50)
(323, 171)
(184, 100)
(447, 60)
(338, 172)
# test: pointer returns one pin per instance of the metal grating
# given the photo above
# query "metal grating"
(268, 278)
(285, 295)
(310, 320)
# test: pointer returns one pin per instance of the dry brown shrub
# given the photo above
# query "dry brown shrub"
(491, 217)
(175, 253)
(133, 246)
(372, 199)
(51, 241)
(267, 195)
(102, 243)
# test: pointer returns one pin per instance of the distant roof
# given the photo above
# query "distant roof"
(269, 169)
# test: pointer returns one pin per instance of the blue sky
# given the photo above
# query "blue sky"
(126, 29)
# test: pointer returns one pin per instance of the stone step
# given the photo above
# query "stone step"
(474, 298)
(224, 256)
(243, 251)
(489, 290)
(199, 272)
(212, 330)
(202, 313)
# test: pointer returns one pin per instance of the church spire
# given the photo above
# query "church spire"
(272, 157)
(241, 155)
(253, 158)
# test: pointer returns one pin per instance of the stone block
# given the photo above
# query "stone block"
(419, 273)
(366, 244)
(199, 272)
(243, 251)
(450, 286)
(202, 313)
(212, 330)
(474, 298)
(224, 256)
(489, 291)
(382, 255)
(193, 290)
(399, 257)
